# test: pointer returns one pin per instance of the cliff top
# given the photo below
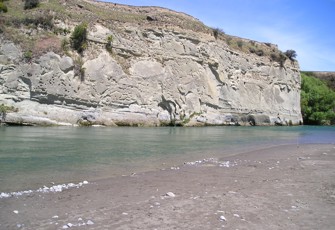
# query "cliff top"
(42, 28)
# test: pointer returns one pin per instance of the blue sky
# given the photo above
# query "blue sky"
(306, 26)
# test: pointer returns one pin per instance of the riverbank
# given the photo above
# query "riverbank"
(285, 187)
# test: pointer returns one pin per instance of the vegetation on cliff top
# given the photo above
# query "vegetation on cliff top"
(30, 4)
(317, 101)
(38, 26)
(3, 6)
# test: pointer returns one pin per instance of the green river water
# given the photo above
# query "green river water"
(31, 157)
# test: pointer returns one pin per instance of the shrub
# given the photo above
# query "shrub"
(65, 44)
(45, 22)
(79, 37)
(109, 43)
(229, 40)
(217, 32)
(79, 70)
(4, 109)
(291, 54)
(260, 52)
(30, 4)
(28, 55)
(317, 101)
(240, 43)
(279, 57)
(3, 8)
(61, 31)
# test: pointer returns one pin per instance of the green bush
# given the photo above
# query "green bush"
(3, 8)
(30, 4)
(317, 101)
(79, 37)
(109, 43)
(240, 43)
(28, 55)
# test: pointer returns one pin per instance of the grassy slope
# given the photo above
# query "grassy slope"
(15, 27)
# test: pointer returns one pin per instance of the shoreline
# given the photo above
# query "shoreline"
(283, 187)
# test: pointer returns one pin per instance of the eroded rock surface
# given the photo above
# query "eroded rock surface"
(152, 77)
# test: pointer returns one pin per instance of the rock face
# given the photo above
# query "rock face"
(152, 77)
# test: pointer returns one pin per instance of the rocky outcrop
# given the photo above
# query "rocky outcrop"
(152, 77)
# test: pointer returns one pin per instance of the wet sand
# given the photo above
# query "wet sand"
(285, 187)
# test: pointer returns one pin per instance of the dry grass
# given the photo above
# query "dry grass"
(47, 44)
(14, 23)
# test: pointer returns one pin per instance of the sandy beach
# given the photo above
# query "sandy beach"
(285, 187)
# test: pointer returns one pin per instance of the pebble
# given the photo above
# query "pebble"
(170, 194)
(237, 215)
(89, 222)
(222, 218)
(16, 211)
(54, 217)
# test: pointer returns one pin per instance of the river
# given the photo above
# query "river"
(31, 157)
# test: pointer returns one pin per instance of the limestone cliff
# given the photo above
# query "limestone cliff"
(156, 73)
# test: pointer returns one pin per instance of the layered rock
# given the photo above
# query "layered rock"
(152, 77)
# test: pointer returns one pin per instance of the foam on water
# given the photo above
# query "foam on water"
(45, 189)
